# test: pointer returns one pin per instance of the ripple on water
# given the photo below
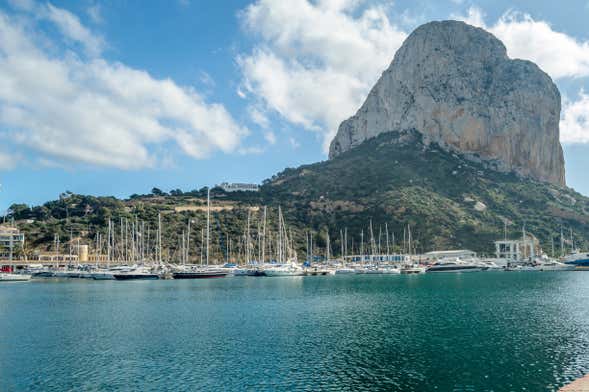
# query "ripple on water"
(472, 332)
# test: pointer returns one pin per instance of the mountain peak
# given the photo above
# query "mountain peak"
(455, 84)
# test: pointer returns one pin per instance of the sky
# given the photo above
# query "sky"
(118, 97)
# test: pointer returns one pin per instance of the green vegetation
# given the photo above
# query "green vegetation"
(394, 179)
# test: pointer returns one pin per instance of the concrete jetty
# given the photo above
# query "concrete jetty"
(579, 385)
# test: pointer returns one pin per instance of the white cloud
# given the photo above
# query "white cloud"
(293, 143)
(316, 61)
(574, 124)
(270, 137)
(557, 53)
(258, 117)
(70, 26)
(94, 11)
(98, 112)
(7, 161)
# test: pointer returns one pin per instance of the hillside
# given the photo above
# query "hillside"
(394, 179)
(450, 201)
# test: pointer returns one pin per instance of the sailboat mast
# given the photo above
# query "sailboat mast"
(208, 222)
(264, 238)
(386, 229)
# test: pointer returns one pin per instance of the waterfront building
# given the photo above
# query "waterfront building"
(10, 239)
(524, 249)
(236, 186)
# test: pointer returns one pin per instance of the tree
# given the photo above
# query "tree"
(157, 192)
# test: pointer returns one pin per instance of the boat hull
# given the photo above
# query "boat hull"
(136, 276)
(454, 270)
(198, 275)
(8, 277)
(102, 276)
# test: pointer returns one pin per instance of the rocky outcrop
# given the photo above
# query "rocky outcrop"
(456, 85)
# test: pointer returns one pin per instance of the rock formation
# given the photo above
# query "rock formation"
(456, 85)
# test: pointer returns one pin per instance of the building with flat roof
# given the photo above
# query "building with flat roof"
(238, 186)
(10, 239)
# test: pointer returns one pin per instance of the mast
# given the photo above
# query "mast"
(188, 242)
(311, 245)
(362, 244)
(409, 239)
(341, 240)
(108, 248)
(247, 238)
(346, 243)
(386, 229)
(202, 243)
(327, 248)
(159, 237)
(264, 238)
(379, 238)
(279, 234)
(208, 222)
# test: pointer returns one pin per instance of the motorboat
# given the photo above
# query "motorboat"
(454, 265)
(291, 269)
(12, 277)
(413, 270)
(344, 271)
(192, 272)
(521, 267)
(554, 265)
(135, 273)
(578, 259)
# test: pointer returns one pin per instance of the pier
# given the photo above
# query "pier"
(579, 385)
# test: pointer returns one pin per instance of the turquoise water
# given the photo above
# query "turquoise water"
(526, 331)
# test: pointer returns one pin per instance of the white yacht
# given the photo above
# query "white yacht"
(291, 269)
(545, 263)
(413, 269)
(12, 277)
(104, 274)
(577, 259)
(135, 273)
(454, 265)
(344, 271)
(555, 266)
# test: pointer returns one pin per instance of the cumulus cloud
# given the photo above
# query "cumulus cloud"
(574, 124)
(7, 161)
(78, 108)
(557, 53)
(70, 27)
(316, 61)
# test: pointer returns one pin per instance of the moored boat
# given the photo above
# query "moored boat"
(12, 277)
(204, 273)
(291, 269)
(135, 273)
(578, 259)
(456, 265)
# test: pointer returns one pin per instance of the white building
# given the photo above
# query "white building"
(10, 239)
(517, 250)
(237, 186)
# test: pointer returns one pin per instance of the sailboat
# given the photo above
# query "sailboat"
(287, 265)
(194, 272)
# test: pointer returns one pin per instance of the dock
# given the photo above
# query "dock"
(579, 385)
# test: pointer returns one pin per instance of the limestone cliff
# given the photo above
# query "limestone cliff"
(456, 85)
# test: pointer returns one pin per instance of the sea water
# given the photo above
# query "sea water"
(495, 331)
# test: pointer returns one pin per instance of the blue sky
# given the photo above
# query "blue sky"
(116, 97)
